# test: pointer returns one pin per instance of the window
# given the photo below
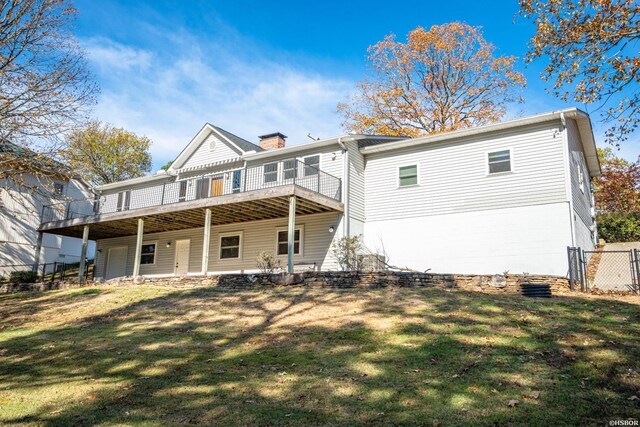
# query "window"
(230, 245)
(182, 191)
(311, 165)
(270, 172)
(124, 201)
(290, 168)
(202, 188)
(148, 255)
(500, 161)
(283, 238)
(408, 175)
(236, 181)
(58, 189)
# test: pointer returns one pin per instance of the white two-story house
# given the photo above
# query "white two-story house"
(22, 198)
(509, 196)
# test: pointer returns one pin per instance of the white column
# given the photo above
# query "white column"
(291, 233)
(207, 238)
(136, 261)
(36, 262)
(83, 253)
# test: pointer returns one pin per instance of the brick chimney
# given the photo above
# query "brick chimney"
(272, 141)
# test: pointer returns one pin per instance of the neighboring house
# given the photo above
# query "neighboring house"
(21, 204)
(508, 196)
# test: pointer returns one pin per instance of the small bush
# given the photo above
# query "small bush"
(346, 251)
(23, 277)
(619, 227)
(268, 263)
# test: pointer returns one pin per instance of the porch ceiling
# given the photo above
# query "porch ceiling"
(242, 207)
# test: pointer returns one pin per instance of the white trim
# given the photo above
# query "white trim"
(196, 141)
(417, 184)
(155, 251)
(175, 254)
(300, 246)
(512, 163)
(240, 244)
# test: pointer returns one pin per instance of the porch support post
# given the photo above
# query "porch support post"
(291, 233)
(36, 261)
(207, 237)
(83, 253)
(136, 261)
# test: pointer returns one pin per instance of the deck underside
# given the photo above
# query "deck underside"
(243, 207)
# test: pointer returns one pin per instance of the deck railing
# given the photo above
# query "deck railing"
(260, 177)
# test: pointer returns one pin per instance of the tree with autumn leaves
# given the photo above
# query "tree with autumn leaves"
(591, 49)
(439, 80)
(618, 197)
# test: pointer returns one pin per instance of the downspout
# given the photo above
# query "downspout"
(567, 168)
(345, 186)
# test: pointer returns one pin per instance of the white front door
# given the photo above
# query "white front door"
(182, 257)
(116, 263)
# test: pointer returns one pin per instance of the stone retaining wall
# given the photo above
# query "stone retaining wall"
(332, 279)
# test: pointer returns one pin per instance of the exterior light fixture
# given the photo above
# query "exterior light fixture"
(332, 229)
(169, 244)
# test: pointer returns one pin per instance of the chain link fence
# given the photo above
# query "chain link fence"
(605, 270)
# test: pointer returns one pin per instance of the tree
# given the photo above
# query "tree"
(101, 153)
(166, 165)
(592, 49)
(45, 86)
(618, 188)
(440, 80)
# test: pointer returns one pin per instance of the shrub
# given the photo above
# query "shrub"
(346, 250)
(268, 263)
(619, 227)
(23, 277)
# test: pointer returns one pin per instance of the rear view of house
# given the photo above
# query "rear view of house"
(509, 196)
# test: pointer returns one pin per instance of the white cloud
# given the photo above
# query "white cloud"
(169, 95)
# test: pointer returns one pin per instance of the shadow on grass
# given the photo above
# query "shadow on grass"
(302, 356)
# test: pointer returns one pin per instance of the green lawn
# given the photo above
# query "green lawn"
(155, 356)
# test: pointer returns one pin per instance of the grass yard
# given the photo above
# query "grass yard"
(154, 356)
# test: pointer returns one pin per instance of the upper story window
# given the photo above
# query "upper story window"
(499, 161)
(290, 168)
(311, 165)
(270, 171)
(407, 175)
(58, 189)
(148, 254)
(124, 200)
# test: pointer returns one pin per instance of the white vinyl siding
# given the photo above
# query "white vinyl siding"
(204, 155)
(456, 178)
(580, 192)
(257, 236)
(356, 179)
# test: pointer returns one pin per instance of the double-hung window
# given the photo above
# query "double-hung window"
(283, 241)
(499, 161)
(270, 171)
(290, 168)
(407, 175)
(230, 245)
(124, 201)
(148, 254)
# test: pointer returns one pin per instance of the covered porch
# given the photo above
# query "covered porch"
(284, 202)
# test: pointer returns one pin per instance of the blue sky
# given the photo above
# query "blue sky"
(255, 67)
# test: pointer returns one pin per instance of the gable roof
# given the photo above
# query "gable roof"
(242, 145)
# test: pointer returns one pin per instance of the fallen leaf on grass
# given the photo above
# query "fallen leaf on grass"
(512, 403)
(634, 398)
